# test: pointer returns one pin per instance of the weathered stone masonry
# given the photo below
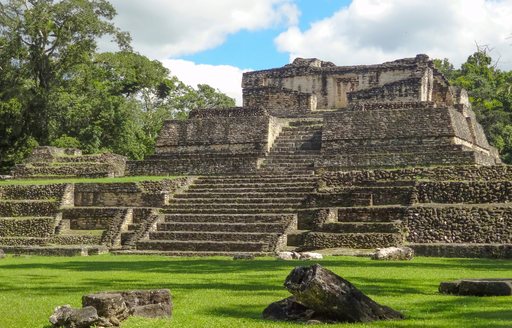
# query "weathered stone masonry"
(400, 113)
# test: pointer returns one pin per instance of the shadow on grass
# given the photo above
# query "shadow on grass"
(220, 265)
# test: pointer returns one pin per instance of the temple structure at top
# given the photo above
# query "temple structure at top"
(313, 114)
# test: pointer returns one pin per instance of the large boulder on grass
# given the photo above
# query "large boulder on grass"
(115, 307)
(319, 295)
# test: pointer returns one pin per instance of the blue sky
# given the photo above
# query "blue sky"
(256, 49)
(214, 42)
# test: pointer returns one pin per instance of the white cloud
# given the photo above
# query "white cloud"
(172, 28)
(227, 79)
(373, 31)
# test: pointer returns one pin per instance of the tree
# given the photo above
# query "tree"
(45, 39)
(490, 92)
(56, 89)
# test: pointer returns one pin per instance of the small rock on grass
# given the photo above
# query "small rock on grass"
(311, 256)
(243, 256)
(393, 254)
(2, 254)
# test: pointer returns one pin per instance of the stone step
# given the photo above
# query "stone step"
(294, 150)
(222, 227)
(320, 240)
(371, 213)
(277, 180)
(230, 211)
(286, 151)
(297, 138)
(284, 169)
(362, 227)
(248, 185)
(303, 127)
(313, 132)
(294, 156)
(238, 201)
(17, 208)
(289, 162)
(215, 236)
(199, 246)
(236, 195)
(251, 176)
(209, 189)
(189, 253)
(230, 218)
(228, 207)
(295, 143)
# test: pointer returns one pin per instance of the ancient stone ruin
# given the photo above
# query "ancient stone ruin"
(319, 156)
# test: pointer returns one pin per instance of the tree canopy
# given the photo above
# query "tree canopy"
(56, 88)
(490, 92)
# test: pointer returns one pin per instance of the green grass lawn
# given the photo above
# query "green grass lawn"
(220, 292)
(42, 180)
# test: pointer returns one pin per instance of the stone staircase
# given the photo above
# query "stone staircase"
(360, 227)
(224, 215)
(296, 147)
(28, 214)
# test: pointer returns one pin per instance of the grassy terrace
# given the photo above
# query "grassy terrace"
(220, 292)
(42, 180)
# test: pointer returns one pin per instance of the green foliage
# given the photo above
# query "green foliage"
(220, 292)
(490, 92)
(65, 141)
(53, 83)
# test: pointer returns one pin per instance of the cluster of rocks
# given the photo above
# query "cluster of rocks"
(108, 309)
(321, 296)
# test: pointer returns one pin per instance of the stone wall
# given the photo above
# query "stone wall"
(223, 131)
(211, 141)
(279, 102)
(141, 194)
(49, 191)
(194, 165)
(468, 192)
(336, 86)
(442, 173)
(460, 224)
(373, 138)
(28, 227)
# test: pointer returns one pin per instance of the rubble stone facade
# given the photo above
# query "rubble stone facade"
(396, 114)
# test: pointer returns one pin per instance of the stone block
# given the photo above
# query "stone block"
(477, 287)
